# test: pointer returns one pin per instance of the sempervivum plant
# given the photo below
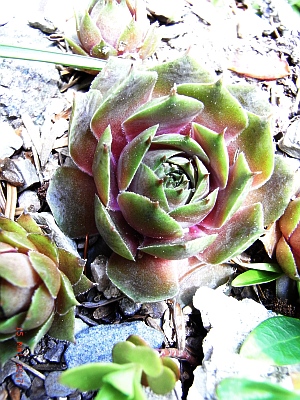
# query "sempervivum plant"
(173, 169)
(115, 28)
(288, 246)
(36, 286)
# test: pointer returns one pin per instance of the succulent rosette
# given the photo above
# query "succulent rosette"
(172, 168)
(288, 246)
(38, 282)
(115, 28)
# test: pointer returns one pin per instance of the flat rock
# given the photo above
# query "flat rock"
(95, 344)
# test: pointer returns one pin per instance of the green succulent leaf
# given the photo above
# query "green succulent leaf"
(286, 259)
(172, 113)
(222, 112)
(246, 389)
(9, 225)
(275, 340)
(17, 240)
(185, 69)
(164, 383)
(66, 298)
(147, 279)
(77, 377)
(80, 134)
(33, 336)
(259, 158)
(255, 277)
(115, 231)
(71, 265)
(236, 235)
(82, 286)
(44, 245)
(215, 147)
(178, 249)
(108, 392)
(230, 199)
(102, 166)
(9, 325)
(47, 271)
(290, 219)
(71, 205)
(16, 269)
(26, 221)
(132, 156)
(7, 350)
(14, 299)
(41, 308)
(145, 357)
(89, 33)
(147, 217)
(123, 380)
(63, 326)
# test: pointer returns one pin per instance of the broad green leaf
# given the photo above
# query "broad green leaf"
(11, 226)
(71, 197)
(44, 245)
(63, 326)
(123, 380)
(275, 340)
(254, 277)
(29, 224)
(164, 383)
(9, 325)
(146, 279)
(245, 389)
(32, 337)
(71, 265)
(290, 219)
(108, 392)
(271, 267)
(17, 240)
(89, 376)
(66, 298)
(147, 217)
(286, 259)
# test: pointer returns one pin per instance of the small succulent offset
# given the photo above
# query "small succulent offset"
(172, 168)
(115, 28)
(134, 364)
(288, 246)
(37, 285)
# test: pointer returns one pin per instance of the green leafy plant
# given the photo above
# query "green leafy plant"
(168, 174)
(134, 364)
(38, 283)
(115, 28)
(276, 341)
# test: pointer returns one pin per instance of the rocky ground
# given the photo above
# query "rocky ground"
(263, 45)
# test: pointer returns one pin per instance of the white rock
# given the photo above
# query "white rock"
(229, 321)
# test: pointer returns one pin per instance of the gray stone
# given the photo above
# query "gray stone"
(8, 369)
(54, 388)
(9, 140)
(55, 351)
(28, 172)
(21, 380)
(95, 344)
(29, 201)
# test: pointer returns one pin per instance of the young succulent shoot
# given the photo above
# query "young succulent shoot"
(38, 284)
(135, 364)
(172, 168)
(115, 28)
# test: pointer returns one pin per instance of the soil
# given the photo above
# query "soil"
(219, 35)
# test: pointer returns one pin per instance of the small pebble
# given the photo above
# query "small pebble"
(54, 388)
(21, 379)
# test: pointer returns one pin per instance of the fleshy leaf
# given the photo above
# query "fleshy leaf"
(215, 147)
(9, 325)
(89, 33)
(222, 112)
(16, 269)
(80, 134)
(290, 219)
(17, 240)
(261, 157)
(147, 358)
(182, 70)
(115, 231)
(193, 213)
(28, 223)
(230, 199)
(102, 166)
(71, 196)
(147, 217)
(11, 226)
(164, 383)
(275, 340)
(32, 337)
(147, 279)
(132, 155)
(123, 380)
(44, 245)
(77, 377)
(236, 235)
(255, 277)
(178, 249)
(71, 265)
(172, 113)
(42, 306)
(183, 143)
(65, 299)
(63, 326)
(47, 270)
(277, 192)
(286, 259)
(123, 101)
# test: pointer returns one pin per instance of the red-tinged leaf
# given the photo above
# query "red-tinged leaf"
(259, 66)
(89, 33)
(80, 134)
(71, 199)
(146, 279)
(16, 269)
(286, 259)
(290, 220)
(14, 299)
